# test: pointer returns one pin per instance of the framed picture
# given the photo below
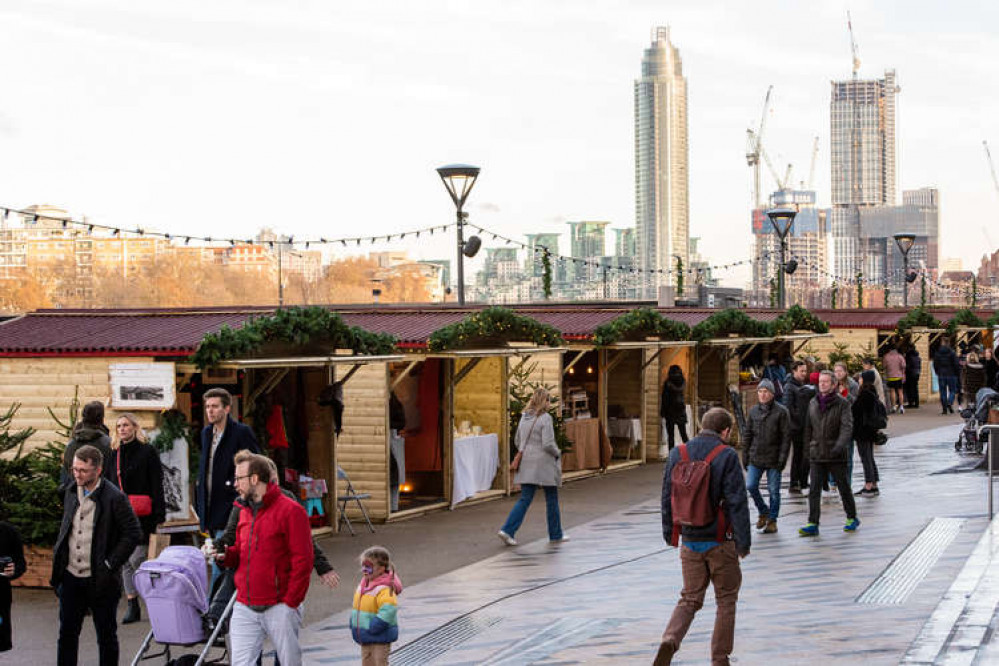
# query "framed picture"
(143, 385)
(219, 376)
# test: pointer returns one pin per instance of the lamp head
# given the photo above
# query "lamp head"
(905, 242)
(782, 219)
(911, 277)
(791, 266)
(458, 179)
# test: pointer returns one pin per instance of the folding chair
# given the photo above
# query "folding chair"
(351, 495)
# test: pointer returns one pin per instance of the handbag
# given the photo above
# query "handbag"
(515, 464)
(142, 505)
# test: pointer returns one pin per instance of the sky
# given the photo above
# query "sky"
(328, 118)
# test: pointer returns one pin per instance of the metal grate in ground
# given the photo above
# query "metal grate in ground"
(554, 638)
(430, 646)
(901, 577)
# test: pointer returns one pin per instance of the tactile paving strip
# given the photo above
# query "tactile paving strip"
(901, 577)
(430, 646)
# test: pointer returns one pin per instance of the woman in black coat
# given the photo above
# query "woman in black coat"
(864, 433)
(673, 405)
(10, 546)
(135, 468)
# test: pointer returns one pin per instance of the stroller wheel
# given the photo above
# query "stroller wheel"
(957, 445)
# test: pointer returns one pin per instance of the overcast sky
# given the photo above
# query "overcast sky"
(328, 118)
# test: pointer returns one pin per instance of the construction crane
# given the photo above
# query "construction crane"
(811, 169)
(853, 47)
(754, 149)
(995, 183)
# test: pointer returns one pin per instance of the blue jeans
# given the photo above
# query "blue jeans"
(948, 389)
(753, 476)
(519, 510)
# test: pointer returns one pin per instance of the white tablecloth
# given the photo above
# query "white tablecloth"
(476, 460)
(625, 429)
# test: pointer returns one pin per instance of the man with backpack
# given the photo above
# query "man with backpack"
(704, 501)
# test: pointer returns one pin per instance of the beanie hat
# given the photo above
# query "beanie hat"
(868, 376)
(766, 384)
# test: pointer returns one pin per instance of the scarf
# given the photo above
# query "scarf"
(388, 579)
(825, 401)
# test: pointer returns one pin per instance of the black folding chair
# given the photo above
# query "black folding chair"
(351, 495)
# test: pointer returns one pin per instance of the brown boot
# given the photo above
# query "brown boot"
(771, 527)
(665, 655)
(761, 522)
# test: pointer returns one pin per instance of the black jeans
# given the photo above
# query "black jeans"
(866, 450)
(76, 595)
(682, 425)
(819, 473)
(911, 388)
(799, 463)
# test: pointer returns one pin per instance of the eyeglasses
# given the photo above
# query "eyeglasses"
(245, 476)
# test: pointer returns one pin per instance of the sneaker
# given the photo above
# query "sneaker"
(863, 492)
(851, 525)
(794, 489)
(664, 657)
(810, 529)
(873, 492)
(761, 522)
(506, 538)
(901, 409)
(565, 537)
(771, 527)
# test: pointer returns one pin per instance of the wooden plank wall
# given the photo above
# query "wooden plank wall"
(547, 371)
(362, 449)
(480, 398)
(38, 383)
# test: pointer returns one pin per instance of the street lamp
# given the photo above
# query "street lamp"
(459, 180)
(782, 219)
(905, 243)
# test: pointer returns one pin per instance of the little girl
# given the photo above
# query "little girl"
(373, 619)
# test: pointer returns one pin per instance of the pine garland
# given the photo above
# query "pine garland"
(964, 317)
(546, 276)
(491, 326)
(835, 293)
(173, 426)
(922, 291)
(798, 318)
(860, 290)
(916, 317)
(639, 324)
(724, 322)
(679, 277)
(295, 325)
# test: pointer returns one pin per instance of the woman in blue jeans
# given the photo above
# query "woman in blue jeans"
(538, 463)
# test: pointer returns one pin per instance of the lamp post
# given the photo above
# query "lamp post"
(459, 180)
(782, 219)
(905, 243)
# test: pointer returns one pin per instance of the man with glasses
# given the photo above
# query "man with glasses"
(99, 531)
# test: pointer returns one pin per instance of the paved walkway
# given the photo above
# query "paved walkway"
(605, 596)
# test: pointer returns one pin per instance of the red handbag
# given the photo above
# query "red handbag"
(142, 505)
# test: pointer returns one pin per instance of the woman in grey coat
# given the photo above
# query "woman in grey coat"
(538, 463)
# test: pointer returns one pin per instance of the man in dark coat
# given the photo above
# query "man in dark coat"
(10, 547)
(797, 394)
(828, 432)
(946, 365)
(913, 370)
(99, 531)
(766, 447)
(221, 440)
(90, 430)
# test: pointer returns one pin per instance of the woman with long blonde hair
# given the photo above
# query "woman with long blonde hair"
(538, 463)
(134, 466)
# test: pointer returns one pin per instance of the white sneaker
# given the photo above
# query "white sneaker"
(901, 409)
(565, 537)
(506, 538)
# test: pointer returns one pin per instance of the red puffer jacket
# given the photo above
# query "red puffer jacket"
(272, 553)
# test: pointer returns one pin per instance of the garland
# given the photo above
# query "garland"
(922, 291)
(887, 291)
(964, 317)
(173, 426)
(679, 277)
(637, 324)
(546, 276)
(916, 317)
(860, 290)
(993, 320)
(835, 293)
(721, 324)
(297, 326)
(773, 293)
(798, 318)
(493, 325)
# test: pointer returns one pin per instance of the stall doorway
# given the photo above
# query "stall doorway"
(625, 398)
(417, 460)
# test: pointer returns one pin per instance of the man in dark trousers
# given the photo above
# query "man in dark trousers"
(946, 365)
(12, 568)
(913, 370)
(797, 394)
(99, 531)
(709, 554)
(766, 447)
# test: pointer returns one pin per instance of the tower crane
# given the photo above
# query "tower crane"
(754, 149)
(811, 169)
(853, 47)
(995, 183)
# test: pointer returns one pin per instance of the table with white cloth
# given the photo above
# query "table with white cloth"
(476, 460)
(629, 429)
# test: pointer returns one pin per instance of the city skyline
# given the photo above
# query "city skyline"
(257, 115)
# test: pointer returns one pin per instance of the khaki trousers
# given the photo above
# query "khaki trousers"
(719, 567)
(375, 654)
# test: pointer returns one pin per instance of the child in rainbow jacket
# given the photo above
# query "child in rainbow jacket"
(373, 621)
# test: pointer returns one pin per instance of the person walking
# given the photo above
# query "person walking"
(134, 466)
(673, 405)
(864, 411)
(89, 430)
(848, 389)
(945, 364)
(12, 567)
(991, 368)
(374, 616)
(272, 556)
(913, 369)
(538, 463)
(767, 446)
(99, 532)
(894, 364)
(828, 431)
(710, 553)
(879, 385)
(797, 394)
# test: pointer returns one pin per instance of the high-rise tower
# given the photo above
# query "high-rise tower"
(662, 209)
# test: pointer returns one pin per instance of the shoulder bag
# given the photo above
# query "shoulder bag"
(142, 505)
(515, 465)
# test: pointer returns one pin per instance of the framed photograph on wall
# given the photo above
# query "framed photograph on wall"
(143, 385)
(219, 376)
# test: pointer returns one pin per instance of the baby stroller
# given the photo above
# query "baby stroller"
(175, 589)
(974, 418)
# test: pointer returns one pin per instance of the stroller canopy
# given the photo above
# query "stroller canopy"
(179, 574)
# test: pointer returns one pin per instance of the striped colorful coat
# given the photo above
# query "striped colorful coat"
(374, 615)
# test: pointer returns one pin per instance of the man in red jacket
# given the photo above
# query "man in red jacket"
(273, 560)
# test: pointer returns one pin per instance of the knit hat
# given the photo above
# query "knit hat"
(766, 384)
(868, 376)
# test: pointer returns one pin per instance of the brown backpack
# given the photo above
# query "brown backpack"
(690, 493)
